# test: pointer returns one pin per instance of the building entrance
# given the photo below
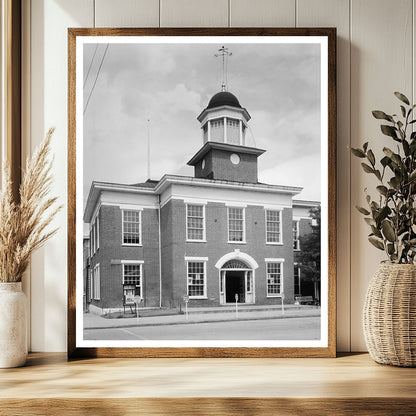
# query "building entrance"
(235, 285)
(236, 277)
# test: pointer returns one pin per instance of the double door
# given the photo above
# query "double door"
(236, 285)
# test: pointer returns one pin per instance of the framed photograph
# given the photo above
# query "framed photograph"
(201, 206)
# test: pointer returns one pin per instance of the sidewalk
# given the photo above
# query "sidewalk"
(204, 315)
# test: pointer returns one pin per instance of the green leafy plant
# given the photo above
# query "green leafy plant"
(391, 216)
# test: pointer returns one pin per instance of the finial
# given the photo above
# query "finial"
(223, 52)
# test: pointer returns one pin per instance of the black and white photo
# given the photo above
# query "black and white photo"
(202, 191)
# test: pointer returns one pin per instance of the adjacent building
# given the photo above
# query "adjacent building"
(214, 238)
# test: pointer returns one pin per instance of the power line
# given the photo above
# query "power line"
(96, 77)
(89, 68)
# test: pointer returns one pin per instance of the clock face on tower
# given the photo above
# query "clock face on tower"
(235, 159)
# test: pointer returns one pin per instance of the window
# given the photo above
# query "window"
(205, 132)
(132, 275)
(249, 281)
(217, 130)
(217, 123)
(236, 225)
(274, 278)
(196, 279)
(90, 284)
(91, 241)
(94, 236)
(296, 275)
(96, 283)
(273, 220)
(132, 228)
(97, 225)
(235, 264)
(296, 242)
(195, 222)
(233, 131)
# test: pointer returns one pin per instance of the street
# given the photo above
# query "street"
(305, 328)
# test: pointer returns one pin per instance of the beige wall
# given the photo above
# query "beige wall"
(375, 58)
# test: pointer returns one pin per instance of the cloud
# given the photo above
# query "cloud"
(161, 104)
(172, 83)
(303, 171)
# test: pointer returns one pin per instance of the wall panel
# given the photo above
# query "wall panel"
(381, 63)
(378, 61)
(414, 54)
(262, 13)
(48, 71)
(126, 13)
(193, 13)
(330, 13)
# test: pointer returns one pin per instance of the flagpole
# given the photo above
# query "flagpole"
(148, 148)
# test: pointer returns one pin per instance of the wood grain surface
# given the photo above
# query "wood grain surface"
(329, 351)
(347, 385)
(209, 407)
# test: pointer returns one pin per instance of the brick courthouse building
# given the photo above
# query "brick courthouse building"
(211, 236)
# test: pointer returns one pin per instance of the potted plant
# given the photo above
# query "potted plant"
(389, 317)
(23, 228)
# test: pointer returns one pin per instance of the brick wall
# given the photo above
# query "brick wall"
(175, 248)
(167, 253)
(111, 252)
(174, 266)
(219, 166)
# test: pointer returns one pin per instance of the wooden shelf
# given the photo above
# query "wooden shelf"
(349, 384)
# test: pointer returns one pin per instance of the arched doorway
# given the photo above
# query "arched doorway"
(236, 278)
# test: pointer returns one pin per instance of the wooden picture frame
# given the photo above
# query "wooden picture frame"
(11, 48)
(327, 346)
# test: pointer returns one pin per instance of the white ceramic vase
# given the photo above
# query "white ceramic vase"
(13, 325)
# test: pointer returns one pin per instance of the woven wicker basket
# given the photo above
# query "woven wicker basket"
(390, 315)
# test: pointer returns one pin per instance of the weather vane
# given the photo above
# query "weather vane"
(223, 52)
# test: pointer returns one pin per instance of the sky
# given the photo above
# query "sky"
(170, 84)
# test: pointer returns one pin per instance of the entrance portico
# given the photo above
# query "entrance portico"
(236, 278)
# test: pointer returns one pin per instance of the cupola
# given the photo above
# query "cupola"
(225, 154)
(224, 120)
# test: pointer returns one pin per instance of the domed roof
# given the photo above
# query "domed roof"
(223, 98)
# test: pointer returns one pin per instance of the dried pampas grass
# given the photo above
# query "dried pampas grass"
(23, 225)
